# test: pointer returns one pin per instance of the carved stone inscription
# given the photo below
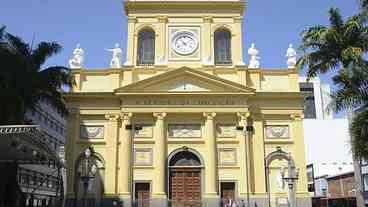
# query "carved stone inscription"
(185, 101)
(277, 131)
(91, 132)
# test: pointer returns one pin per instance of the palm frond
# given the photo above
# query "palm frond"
(336, 19)
(359, 131)
(44, 51)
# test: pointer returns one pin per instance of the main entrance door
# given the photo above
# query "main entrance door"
(185, 179)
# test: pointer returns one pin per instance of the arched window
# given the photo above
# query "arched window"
(222, 47)
(146, 47)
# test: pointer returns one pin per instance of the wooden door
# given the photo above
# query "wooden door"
(185, 186)
(142, 194)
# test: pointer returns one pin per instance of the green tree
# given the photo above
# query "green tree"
(342, 46)
(23, 81)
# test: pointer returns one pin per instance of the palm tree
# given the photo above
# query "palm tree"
(23, 81)
(341, 46)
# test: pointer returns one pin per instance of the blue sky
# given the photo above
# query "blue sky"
(98, 24)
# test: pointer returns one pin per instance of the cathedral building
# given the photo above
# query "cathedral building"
(184, 121)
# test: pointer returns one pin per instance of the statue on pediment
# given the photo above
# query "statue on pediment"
(291, 57)
(78, 57)
(116, 56)
(253, 57)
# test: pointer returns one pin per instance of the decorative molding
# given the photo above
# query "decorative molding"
(227, 157)
(243, 116)
(184, 130)
(238, 19)
(159, 115)
(226, 130)
(112, 117)
(132, 20)
(163, 19)
(126, 116)
(91, 131)
(143, 156)
(209, 115)
(208, 19)
(297, 117)
(277, 131)
(146, 131)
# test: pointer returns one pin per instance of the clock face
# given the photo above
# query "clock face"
(184, 42)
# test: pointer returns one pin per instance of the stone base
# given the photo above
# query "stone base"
(211, 201)
(161, 201)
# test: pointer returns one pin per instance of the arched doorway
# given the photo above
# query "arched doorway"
(282, 158)
(88, 185)
(185, 179)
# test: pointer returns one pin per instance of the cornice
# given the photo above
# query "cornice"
(181, 5)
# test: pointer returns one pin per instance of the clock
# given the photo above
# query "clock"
(184, 42)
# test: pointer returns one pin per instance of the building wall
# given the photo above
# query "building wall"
(321, 133)
(341, 186)
(41, 180)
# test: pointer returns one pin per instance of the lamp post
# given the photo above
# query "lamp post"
(246, 130)
(291, 179)
(87, 172)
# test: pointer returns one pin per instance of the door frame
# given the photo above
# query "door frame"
(142, 181)
(201, 167)
(236, 193)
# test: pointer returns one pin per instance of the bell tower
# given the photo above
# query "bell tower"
(194, 33)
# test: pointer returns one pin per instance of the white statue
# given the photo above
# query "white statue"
(291, 55)
(253, 57)
(78, 57)
(116, 56)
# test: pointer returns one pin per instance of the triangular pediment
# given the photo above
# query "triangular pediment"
(184, 80)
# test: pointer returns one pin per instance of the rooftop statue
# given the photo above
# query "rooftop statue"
(253, 57)
(116, 56)
(291, 55)
(78, 57)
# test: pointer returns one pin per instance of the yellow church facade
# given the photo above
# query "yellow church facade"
(184, 122)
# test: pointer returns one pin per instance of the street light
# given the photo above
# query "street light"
(247, 129)
(87, 172)
(293, 176)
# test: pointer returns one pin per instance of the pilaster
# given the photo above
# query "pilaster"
(130, 54)
(112, 133)
(299, 151)
(161, 58)
(237, 42)
(207, 39)
(125, 156)
(244, 182)
(160, 153)
(72, 125)
(211, 171)
(258, 149)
